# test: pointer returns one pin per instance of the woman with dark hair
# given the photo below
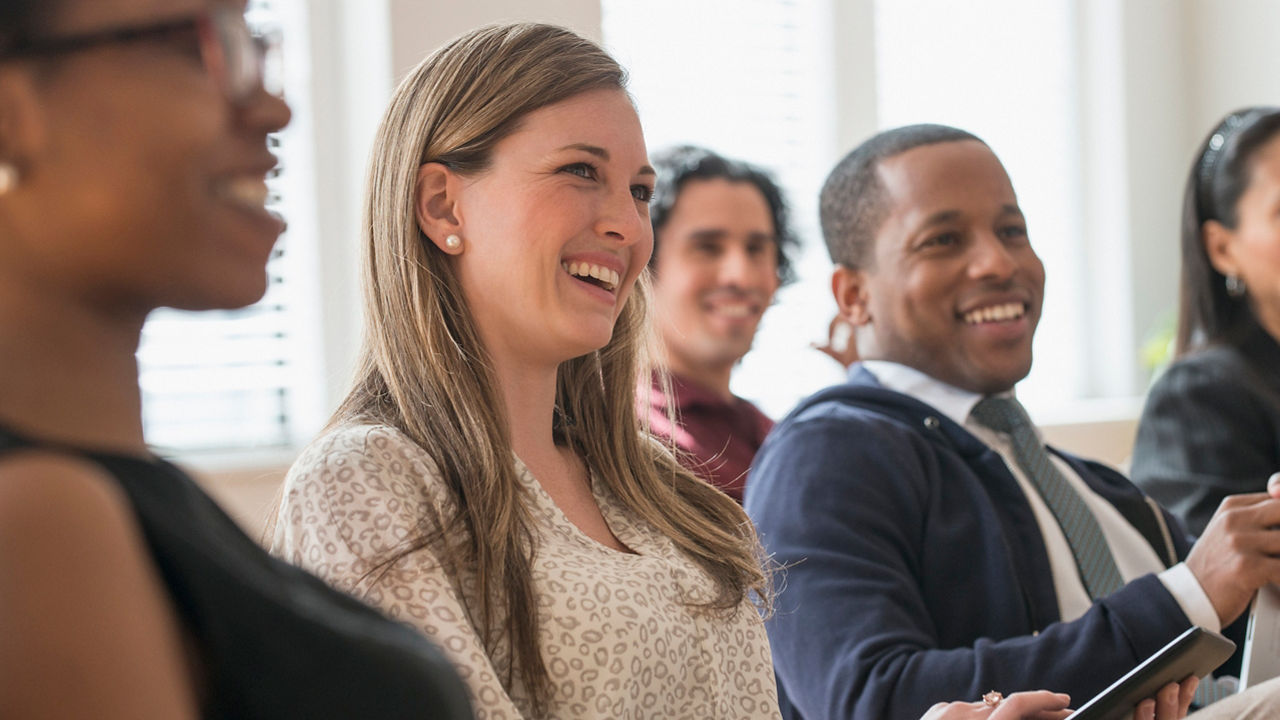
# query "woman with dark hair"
(133, 156)
(1211, 426)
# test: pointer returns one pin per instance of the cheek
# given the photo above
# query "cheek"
(769, 281)
(1266, 247)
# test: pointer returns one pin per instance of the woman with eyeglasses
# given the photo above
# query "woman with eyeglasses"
(133, 155)
(1211, 425)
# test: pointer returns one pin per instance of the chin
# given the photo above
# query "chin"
(580, 346)
(1000, 382)
(228, 296)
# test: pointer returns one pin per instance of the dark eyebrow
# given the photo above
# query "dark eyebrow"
(942, 216)
(1011, 210)
(591, 149)
(945, 216)
(708, 234)
(604, 155)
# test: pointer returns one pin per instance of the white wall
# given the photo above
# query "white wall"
(419, 27)
(360, 50)
(1185, 65)
(1232, 60)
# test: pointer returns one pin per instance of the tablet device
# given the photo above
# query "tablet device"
(1262, 642)
(1195, 652)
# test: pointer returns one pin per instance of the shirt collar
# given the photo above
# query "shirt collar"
(951, 401)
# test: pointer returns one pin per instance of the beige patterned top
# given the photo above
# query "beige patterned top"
(616, 637)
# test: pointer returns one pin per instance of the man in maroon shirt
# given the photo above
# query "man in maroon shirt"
(720, 254)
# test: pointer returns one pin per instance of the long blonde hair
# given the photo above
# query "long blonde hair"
(424, 370)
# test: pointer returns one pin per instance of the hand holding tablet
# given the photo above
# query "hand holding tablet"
(1194, 653)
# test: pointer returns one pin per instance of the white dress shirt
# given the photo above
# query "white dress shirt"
(1134, 556)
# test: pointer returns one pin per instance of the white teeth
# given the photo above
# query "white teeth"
(608, 278)
(736, 311)
(249, 191)
(995, 313)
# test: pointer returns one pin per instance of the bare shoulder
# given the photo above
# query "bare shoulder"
(44, 493)
(99, 635)
(59, 511)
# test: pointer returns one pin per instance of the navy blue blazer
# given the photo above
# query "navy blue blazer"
(915, 571)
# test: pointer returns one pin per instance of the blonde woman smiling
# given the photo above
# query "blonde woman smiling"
(487, 480)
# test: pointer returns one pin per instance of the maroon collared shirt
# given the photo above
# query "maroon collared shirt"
(718, 438)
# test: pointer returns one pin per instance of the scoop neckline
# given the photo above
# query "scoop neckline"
(603, 503)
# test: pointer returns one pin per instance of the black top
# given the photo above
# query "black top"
(272, 640)
(1211, 427)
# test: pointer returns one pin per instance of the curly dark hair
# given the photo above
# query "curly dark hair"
(683, 163)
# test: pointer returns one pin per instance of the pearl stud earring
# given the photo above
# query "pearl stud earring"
(453, 242)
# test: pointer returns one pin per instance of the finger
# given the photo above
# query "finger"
(1146, 710)
(826, 350)
(937, 712)
(1187, 693)
(1167, 702)
(1239, 513)
(1028, 704)
(1273, 485)
(1242, 500)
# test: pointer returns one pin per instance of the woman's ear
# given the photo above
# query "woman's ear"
(1219, 245)
(849, 287)
(435, 205)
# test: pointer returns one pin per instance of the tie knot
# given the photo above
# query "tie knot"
(1002, 414)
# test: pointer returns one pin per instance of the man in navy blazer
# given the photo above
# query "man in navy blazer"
(922, 562)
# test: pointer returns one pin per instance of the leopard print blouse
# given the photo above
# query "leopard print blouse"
(616, 633)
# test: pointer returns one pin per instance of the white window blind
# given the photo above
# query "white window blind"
(749, 79)
(232, 379)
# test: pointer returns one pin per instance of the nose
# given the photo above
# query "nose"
(624, 219)
(736, 268)
(263, 111)
(991, 258)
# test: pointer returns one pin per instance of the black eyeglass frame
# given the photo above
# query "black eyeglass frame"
(220, 32)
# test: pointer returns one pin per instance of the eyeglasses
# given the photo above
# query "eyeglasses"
(239, 60)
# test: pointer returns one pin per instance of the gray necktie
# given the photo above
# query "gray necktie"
(1093, 557)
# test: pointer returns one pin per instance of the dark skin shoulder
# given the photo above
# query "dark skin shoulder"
(88, 627)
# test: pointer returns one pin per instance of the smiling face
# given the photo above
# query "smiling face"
(556, 230)
(715, 274)
(142, 184)
(955, 289)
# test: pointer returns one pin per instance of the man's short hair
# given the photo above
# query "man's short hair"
(685, 163)
(853, 204)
